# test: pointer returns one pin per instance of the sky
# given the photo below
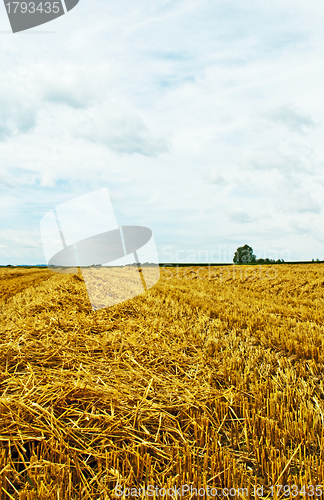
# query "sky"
(203, 119)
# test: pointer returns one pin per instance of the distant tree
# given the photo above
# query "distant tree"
(244, 255)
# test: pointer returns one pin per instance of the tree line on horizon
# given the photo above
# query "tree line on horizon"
(245, 255)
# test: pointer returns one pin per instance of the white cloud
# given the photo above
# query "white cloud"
(215, 178)
(18, 245)
(296, 120)
(121, 130)
(240, 216)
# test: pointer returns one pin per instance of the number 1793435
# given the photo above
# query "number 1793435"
(33, 7)
(293, 490)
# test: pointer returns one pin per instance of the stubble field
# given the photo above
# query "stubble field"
(214, 377)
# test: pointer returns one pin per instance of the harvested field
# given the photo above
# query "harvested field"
(214, 377)
(13, 281)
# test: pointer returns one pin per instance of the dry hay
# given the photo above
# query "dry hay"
(209, 379)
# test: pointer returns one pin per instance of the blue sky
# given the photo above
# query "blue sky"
(204, 119)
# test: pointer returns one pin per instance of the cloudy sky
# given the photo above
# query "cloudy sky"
(204, 119)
